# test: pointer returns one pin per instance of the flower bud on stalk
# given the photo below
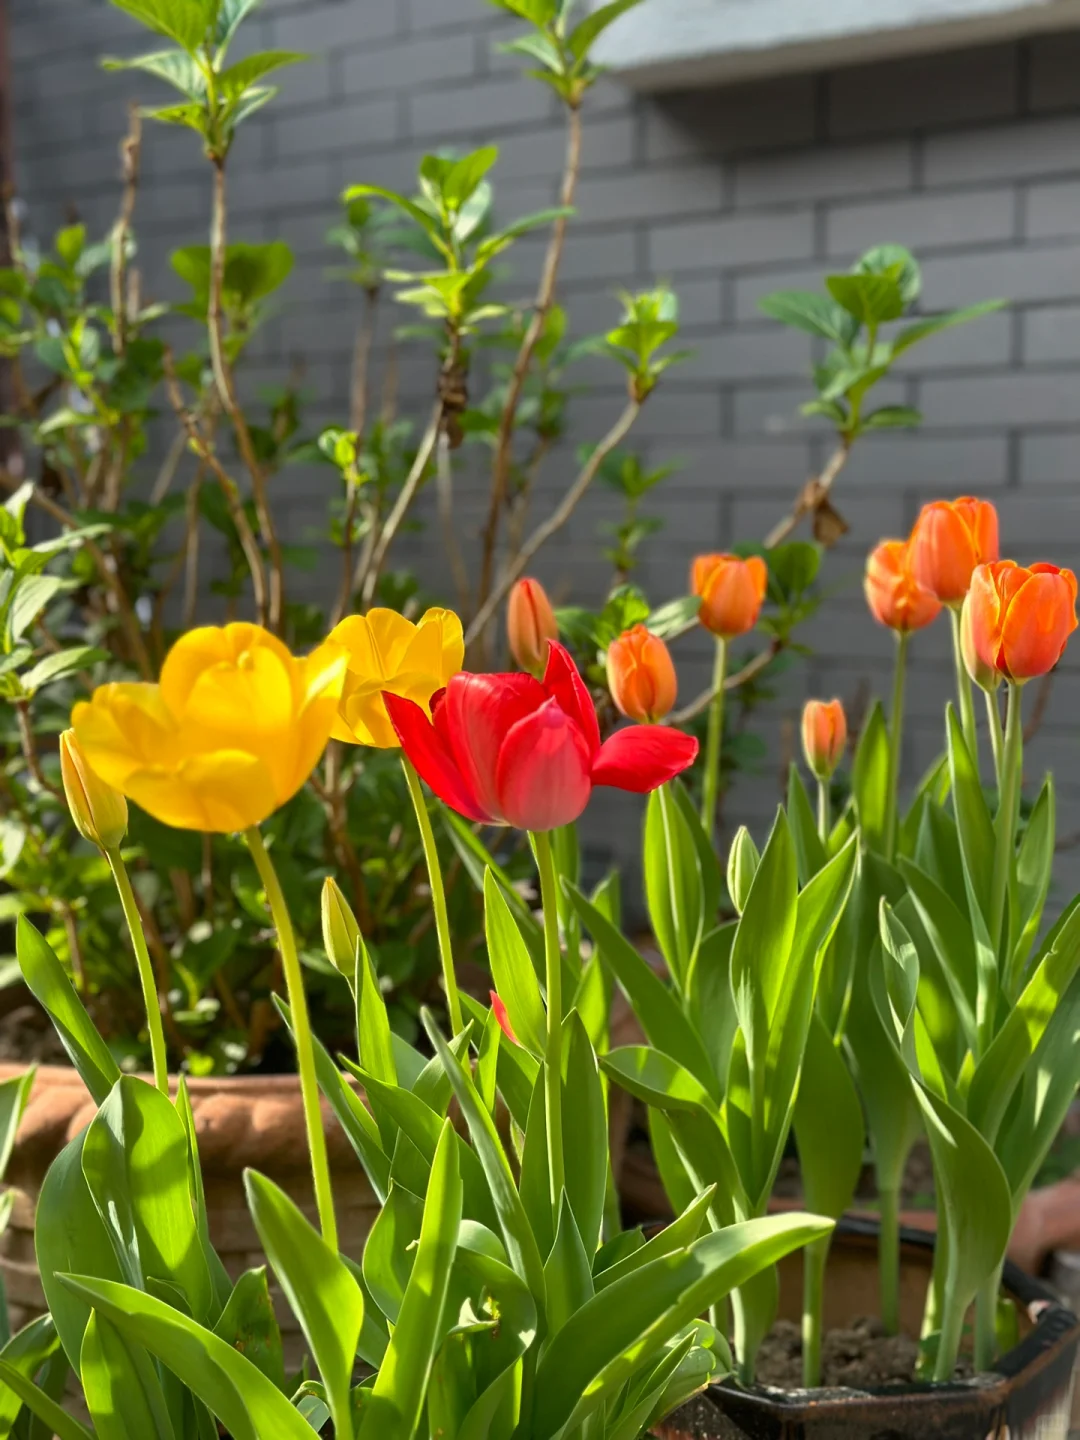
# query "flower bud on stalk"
(100, 813)
(950, 538)
(530, 624)
(641, 675)
(985, 676)
(341, 933)
(824, 736)
(731, 591)
(893, 592)
(743, 861)
(1021, 618)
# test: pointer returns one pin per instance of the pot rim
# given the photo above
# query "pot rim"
(1053, 1327)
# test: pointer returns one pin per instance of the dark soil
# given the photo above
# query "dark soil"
(699, 1419)
(861, 1356)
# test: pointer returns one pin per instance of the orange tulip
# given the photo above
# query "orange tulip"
(895, 597)
(950, 538)
(1021, 619)
(824, 736)
(985, 676)
(731, 591)
(530, 624)
(641, 675)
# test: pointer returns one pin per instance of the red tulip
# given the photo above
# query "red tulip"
(511, 750)
(895, 597)
(502, 1015)
(950, 538)
(1021, 619)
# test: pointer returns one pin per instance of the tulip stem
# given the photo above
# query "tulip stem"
(301, 1024)
(896, 728)
(993, 716)
(963, 689)
(438, 893)
(824, 817)
(1005, 823)
(714, 741)
(553, 1051)
(151, 1000)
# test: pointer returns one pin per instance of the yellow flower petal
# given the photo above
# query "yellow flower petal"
(225, 791)
(453, 641)
(122, 728)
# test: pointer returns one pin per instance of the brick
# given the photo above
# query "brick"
(1001, 400)
(1052, 334)
(1050, 458)
(958, 87)
(735, 466)
(749, 289)
(733, 240)
(542, 150)
(316, 28)
(1030, 527)
(826, 173)
(444, 14)
(419, 60)
(479, 109)
(984, 342)
(1053, 210)
(588, 255)
(774, 411)
(746, 355)
(286, 184)
(313, 82)
(1033, 147)
(1049, 272)
(1054, 71)
(741, 118)
(901, 460)
(922, 222)
(360, 125)
(641, 194)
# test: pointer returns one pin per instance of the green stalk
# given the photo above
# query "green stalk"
(986, 1303)
(993, 719)
(666, 802)
(815, 1257)
(305, 1049)
(824, 818)
(714, 740)
(147, 982)
(963, 689)
(952, 1332)
(438, 893)
(896, 728)
(553, 1051)
(1005, 823)
(889, 1259)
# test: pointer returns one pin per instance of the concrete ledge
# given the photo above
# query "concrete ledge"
(674, 44)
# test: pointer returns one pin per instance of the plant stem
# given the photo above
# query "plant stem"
(438, 892)
(815, 1256)
(1005, 823)
(986, 1302)
(963, 689)
(993, 718)
(949, 1337)
(896, 729)
(889, 1259)
(545, 863)
(824, 818)
(305, 1049)
(146, 970)
(714, 741)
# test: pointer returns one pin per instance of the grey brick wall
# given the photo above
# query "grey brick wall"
(972, 157)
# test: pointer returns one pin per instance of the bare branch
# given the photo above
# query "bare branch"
(370, 578)
(732, 682)
(812, 498)
(444, 488)
(130, 149)
(28, 742)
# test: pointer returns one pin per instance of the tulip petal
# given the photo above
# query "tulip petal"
(433, 759)
(125, 727)
(221, 792)
(1037, 625)
(452, 640)
(543, 770)
(474, 718)
(643, 757)
(563, 682)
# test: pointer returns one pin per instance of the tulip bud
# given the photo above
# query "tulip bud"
(530, 624)
(502, 1015)
(341, 933)
(641, 676)
(894, 594)
(985, 676)
(824, 736)
(731, 591)
(950, 538)
(1021, 617)
(100, 812)
(743, 861)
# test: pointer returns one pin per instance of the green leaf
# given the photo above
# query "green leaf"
(673, 884)
(949, 931)
(763, 941)
(566, 1271)
(1034, 870)
(231, 1387)
(892, 417)
(869, 778)
(14, 1096)
(397, 1398)
(239, 77)
(973, 823)
(319, 1287)
(681, 1233)
(183, 21)
(828, 1126)
(871, 299)
(581, 38)
(61, 663)
(176, 67)
(372, 1021)
(62, 1425)
(229, 14)
(898, 263)
(804, 832)
(121, 1386)
(585, 1133)
(30, 599)
(804, 310)
(935, 324)
(538, 47)
(512, 969)
(391, 1248)
(50, 985)
(69, 243)
(602, 1346)
(248, 1324)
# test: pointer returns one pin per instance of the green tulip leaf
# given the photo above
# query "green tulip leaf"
(512, 969)
(248, 1324)
(674, 889)
(121, 1385)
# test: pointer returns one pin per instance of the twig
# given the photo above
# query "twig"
(358, 419)
(130, 148)
(519, 508)
(180, 564)
(169, 467)
(558, 518)
(732, 682)
(1042, 704)
(191, 555)
(205, 451)
(444, 490)
(370, 579)
(811, 497)
(30, 750)
(545, 298)
(223, 378)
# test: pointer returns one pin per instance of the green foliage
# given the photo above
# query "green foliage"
(559, 48)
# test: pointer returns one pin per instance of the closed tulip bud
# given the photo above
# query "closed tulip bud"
(341, 933)
(950, 538)
(100, 812)
(502, 1015)
(743, 861)
(985, 676)
(530, 624)
(895, 596)
(731, 591)
(641, 675)
(824, 736)
(1021, 619)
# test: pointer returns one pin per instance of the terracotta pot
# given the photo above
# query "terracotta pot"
(1027, 1396)
(252, 1121)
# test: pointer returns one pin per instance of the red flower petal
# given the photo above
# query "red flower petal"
(563, 682)
(432, 758)
(474, 718)
(543, 771)
(643, 757)
(503, 1017)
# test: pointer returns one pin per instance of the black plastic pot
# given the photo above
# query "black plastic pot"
(1027, 1396)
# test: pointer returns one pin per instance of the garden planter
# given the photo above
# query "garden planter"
(1027, 1396)
(243, 1121)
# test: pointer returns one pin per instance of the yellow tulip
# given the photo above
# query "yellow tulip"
(388, 652)
(100, 813)
(233, 729)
